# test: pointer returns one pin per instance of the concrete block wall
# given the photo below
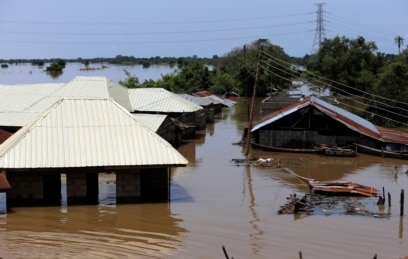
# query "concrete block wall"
(128, 187)
(26, 187)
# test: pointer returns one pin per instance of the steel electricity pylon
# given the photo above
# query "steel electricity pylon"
(320, 31)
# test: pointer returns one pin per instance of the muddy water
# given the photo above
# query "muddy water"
(214, 203)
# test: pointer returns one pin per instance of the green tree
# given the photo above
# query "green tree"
(392, 87)
(349, 65)
(131, 81)
(240, 65)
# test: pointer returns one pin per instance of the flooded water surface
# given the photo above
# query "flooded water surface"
(215, 203)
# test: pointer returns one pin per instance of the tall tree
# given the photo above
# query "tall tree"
(400, 42)
(348, 64)
(240, 66)
(392, 85)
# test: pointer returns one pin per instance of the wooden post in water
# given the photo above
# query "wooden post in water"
(251, 114)
(389, 200)
(225, 252)
(384, 195)
(402, 203)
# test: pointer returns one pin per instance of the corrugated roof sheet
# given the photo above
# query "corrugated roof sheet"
(216, 99)
(202, 101)
(349, 119)
(152, 121)
(95, 87)
(16, 102)
(86, 133)
(159, 100)
(393, 135)
(19, 104)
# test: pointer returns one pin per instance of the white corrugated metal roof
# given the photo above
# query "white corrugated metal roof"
(19, 104)
(159, 100)
(202, 101)
(152, 121)
(16, 102)
(86, 133)
(95, 87)
(19, 97)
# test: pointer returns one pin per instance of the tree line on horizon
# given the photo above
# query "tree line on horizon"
(348, 67)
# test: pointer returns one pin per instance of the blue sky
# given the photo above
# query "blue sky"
(179, 28)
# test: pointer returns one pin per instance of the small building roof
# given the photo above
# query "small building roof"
(82, 132)
(202, 101)
(215, 99)
(159, 100)
(348, 119)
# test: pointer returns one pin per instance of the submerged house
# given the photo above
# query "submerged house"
(188, 116)
(311, 122)
(82, 138)
(211, 103)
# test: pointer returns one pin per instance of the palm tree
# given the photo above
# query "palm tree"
(399, 41)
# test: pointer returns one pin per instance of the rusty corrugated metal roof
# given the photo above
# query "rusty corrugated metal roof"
(393, 135)
(4, 134)
(4, 184)
(348, 119)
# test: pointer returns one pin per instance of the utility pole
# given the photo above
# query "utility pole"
(319, 32)
(251, 113)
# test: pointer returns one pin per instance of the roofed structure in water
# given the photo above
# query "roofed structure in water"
(74, 133)
(159, 100)
(310, 123)
(350, 120)
(21, 103)
(215, 99)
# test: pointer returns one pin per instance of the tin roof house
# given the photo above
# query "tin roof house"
(311, 122)
(43, 140)
(81, 138)
(187, 115)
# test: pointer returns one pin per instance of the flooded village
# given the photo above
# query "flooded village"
(92, 168)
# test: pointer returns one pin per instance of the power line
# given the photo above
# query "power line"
(281, 66)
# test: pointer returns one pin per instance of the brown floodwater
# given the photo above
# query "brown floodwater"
(215, 203)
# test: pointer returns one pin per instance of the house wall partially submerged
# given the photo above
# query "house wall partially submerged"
(302, 139)
(42, 188)
(305, 129)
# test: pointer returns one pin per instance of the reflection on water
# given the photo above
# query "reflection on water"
(107, 231)
(214, 203)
